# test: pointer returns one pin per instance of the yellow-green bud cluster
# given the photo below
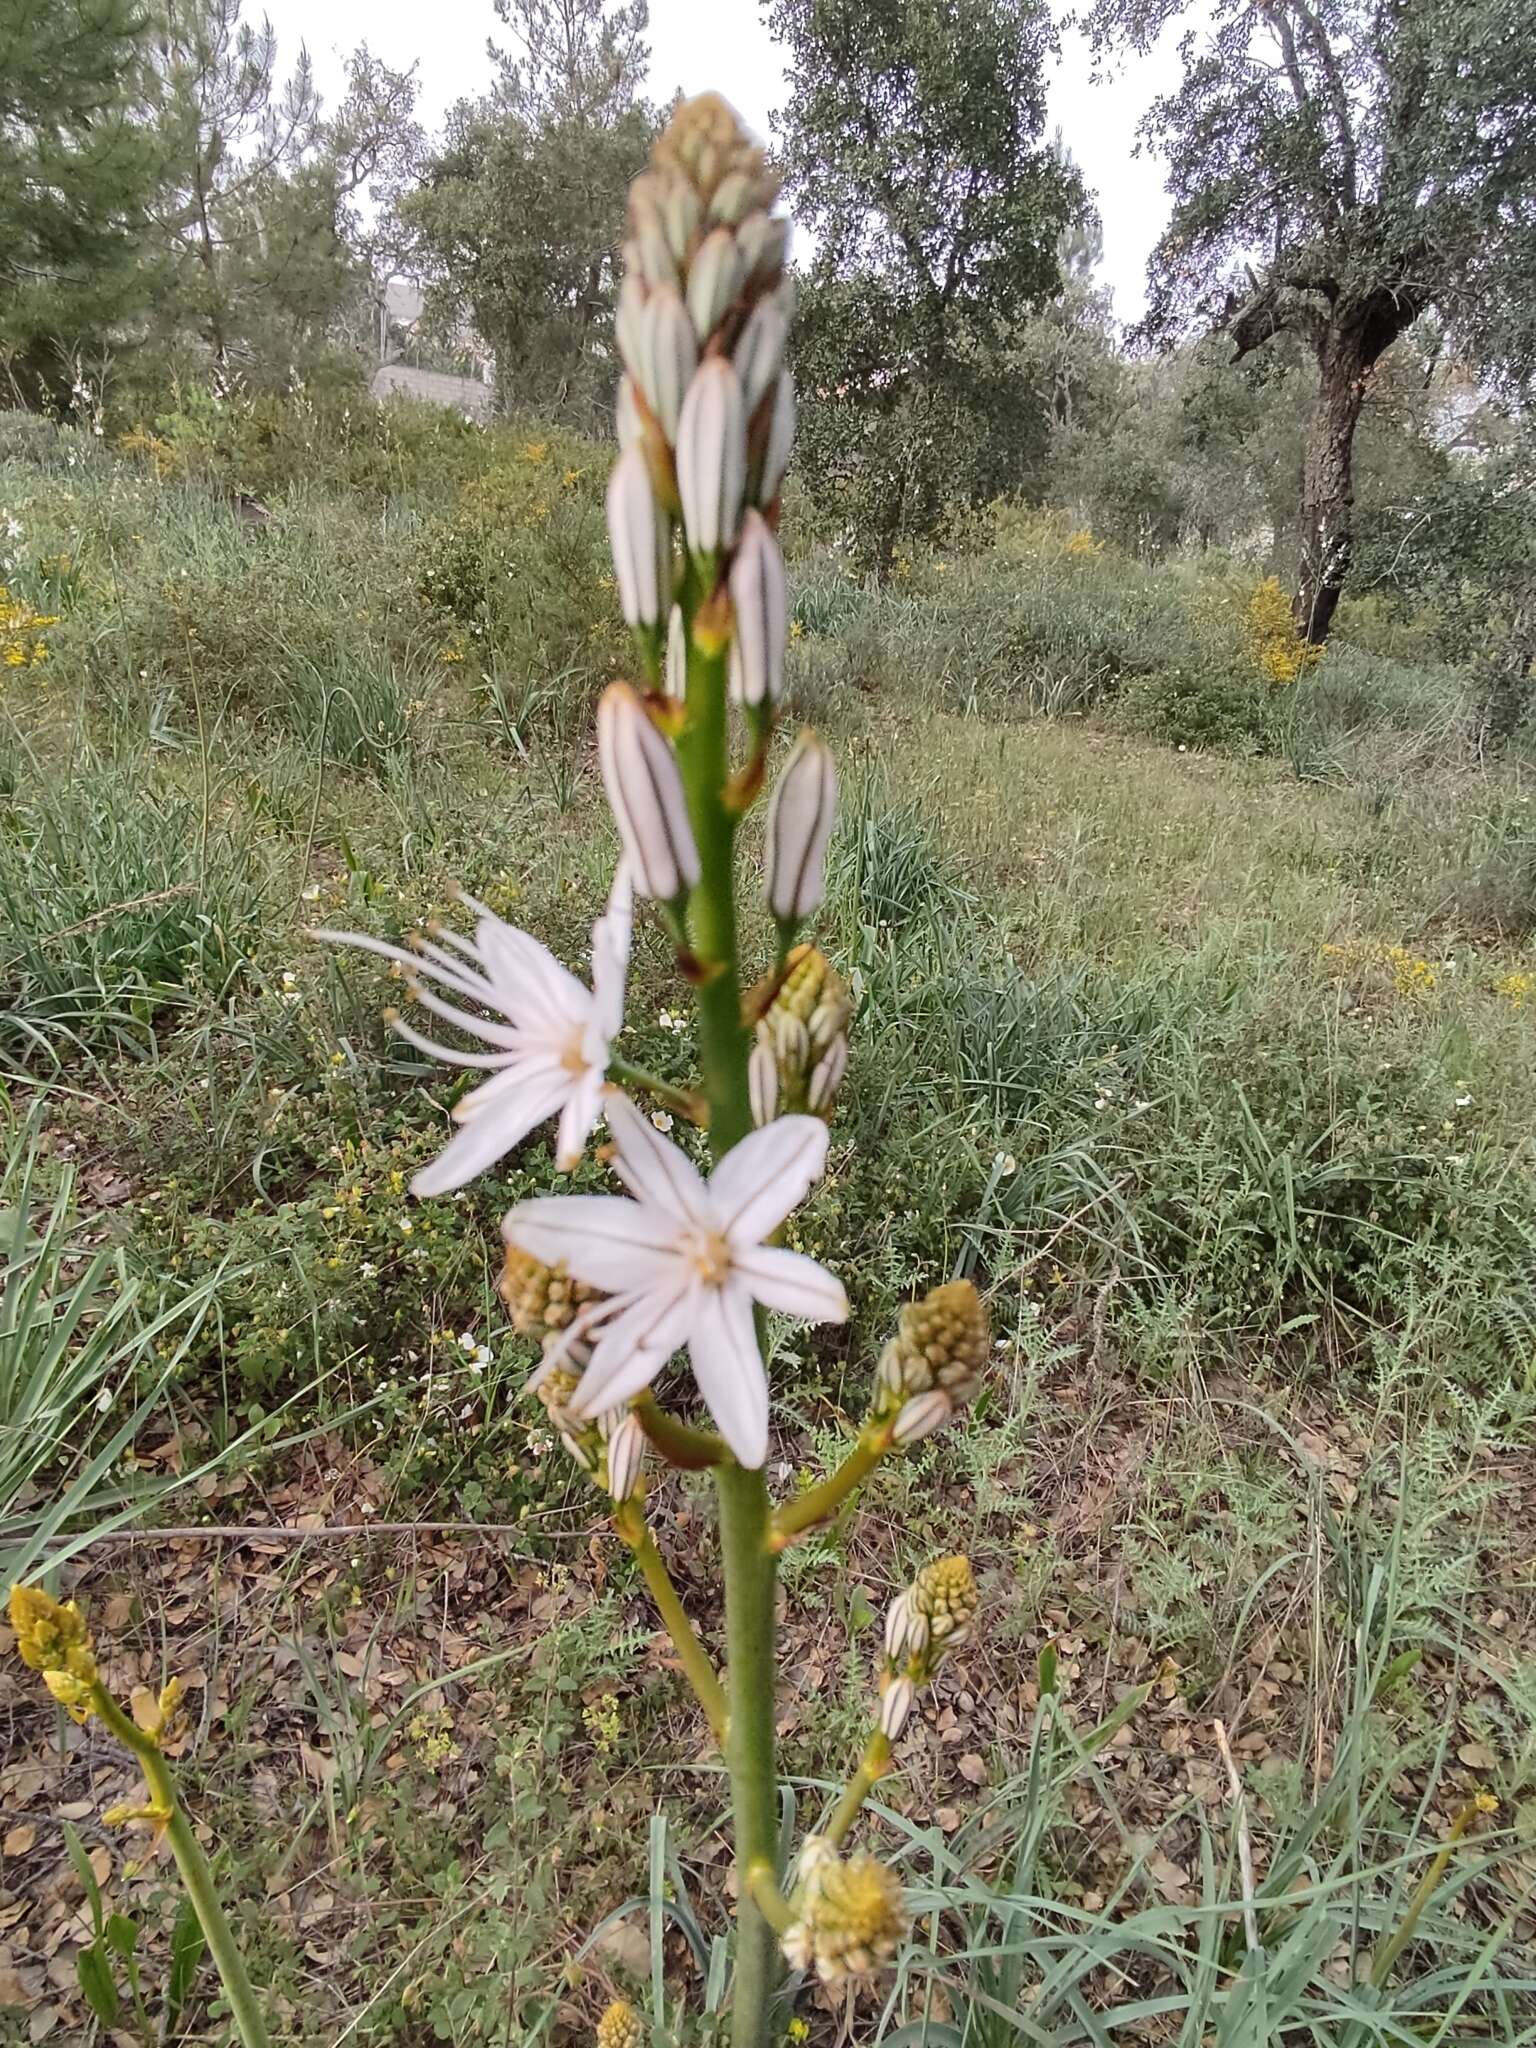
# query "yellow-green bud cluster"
(540, 1299)
(932, 1367)
(52, 1639)
(850, 1915)
(932, 1616)
(801, 1053)
(610, 1450)
(620, 2027)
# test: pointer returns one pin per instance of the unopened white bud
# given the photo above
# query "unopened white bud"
(895, 1706)
(666, 358)
(906, 1628)
(790, 1039)
(681, 213)
(626, 1454)
(627, 415)
(714, 278)
(641, 535)
(921, 1416)
(645, 791)
(763, 1083)
(781, 439)
(578, 1451)
(712, 456)
(827, 1076)
(629, 321)
(799, 826)
(763, 239)
(760, 351)
(658, 265)
(676, 674)
(732, 197)
(761, 604)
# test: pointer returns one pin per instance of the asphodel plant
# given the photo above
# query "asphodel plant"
(690, 1259)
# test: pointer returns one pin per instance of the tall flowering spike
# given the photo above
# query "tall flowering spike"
(799, 825)
(760, 604)
(851, 1918)
(645, 792)
(641, 535)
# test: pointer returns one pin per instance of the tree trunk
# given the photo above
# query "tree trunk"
(1328, 490)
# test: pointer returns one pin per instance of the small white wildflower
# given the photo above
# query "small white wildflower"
(661, 1120)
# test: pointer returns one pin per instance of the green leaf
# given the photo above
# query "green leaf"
(121, 1934)
(95, 1974)
(86, 1875)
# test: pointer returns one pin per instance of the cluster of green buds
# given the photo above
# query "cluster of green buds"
(801, 1051)
(610, 1449)
(620, 2027)
(850, 1914)
(932, 1368)
(932, 1617)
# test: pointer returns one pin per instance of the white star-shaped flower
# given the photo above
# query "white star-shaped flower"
(549, 1036)
(685, 1263)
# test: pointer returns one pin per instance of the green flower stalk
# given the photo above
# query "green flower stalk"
(53, 1640)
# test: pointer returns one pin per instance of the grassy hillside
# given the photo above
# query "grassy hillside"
(1196, 993)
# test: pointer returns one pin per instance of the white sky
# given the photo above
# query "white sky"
(698, 44)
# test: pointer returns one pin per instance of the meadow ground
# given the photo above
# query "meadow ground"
(1195, 1024)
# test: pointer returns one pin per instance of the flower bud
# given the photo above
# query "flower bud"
(759, 354)
(675, 673)
(73, 1694)
(763, 1082)
(645, 792)
(665, 358)
(781, 439)
(712, 457)
(761, 605)
(629, 320)
(827, 1077)
(625, 1453)
(799, 826)
(920, 1417)
(714, 278)
(941, 1342)
(556, 1389)
(51, 1635)
(641, 536)
(763, 239)
(627, 421)
(895, 1705)
(539, 1298)
(945, 1591)
(906, 1628)
(851, 1920)
(620, 2027)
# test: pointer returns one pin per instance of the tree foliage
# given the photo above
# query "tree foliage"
(1338, 168)
(77, 172)
(912, 147)
(514, 221)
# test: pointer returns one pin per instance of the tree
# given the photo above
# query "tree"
(512, 222)
(256, 212)
(1338, 168)
(911, 143)
(77, 171)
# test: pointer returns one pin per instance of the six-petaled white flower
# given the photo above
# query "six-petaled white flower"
(549, 1037)
(685, 1263)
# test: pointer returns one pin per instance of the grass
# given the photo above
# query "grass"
(1195, 1024)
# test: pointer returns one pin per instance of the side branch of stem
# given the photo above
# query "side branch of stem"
(820, 1503)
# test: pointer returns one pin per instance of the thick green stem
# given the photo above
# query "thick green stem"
(195, 1871)
(749, 1623)
(750, 1570)
(873, 1765)
(818, 1504)
(690, 1651)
